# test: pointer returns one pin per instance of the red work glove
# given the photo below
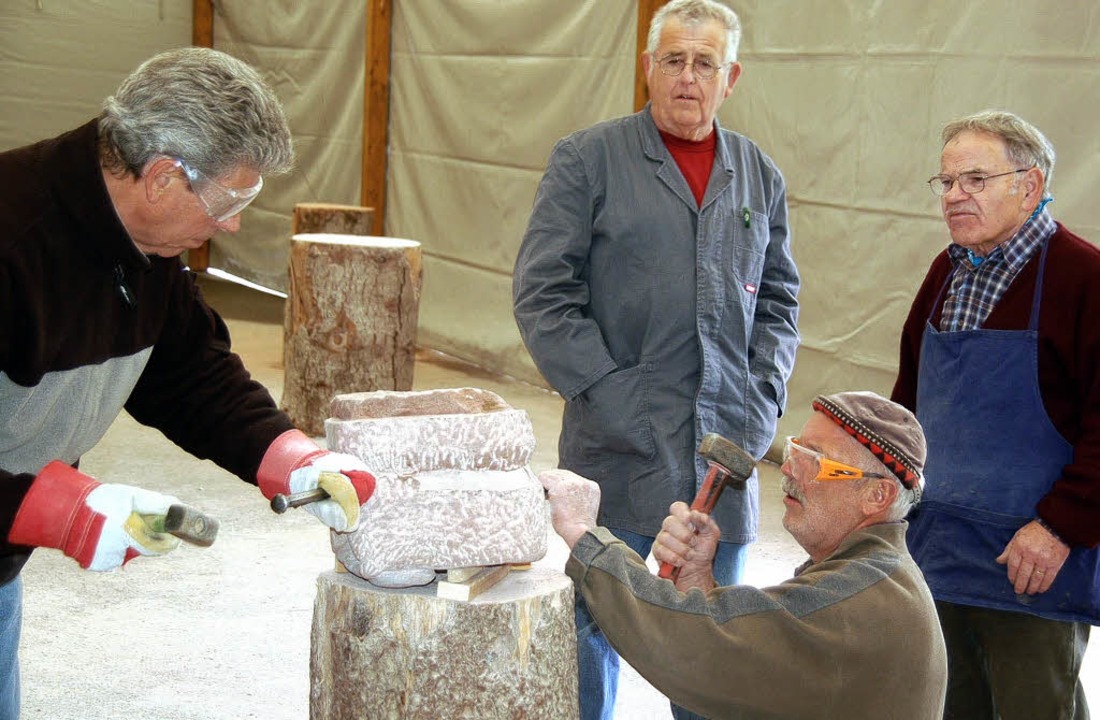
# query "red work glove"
(100, 526)
(294, 463)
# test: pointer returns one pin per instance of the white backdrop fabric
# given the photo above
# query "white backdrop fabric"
(847, 96)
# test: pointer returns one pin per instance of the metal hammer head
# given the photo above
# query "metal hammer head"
(191, 525)
(735, 461)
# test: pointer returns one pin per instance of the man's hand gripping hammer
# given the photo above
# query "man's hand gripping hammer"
(729, 464)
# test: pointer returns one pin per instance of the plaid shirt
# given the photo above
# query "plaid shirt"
(975, 289)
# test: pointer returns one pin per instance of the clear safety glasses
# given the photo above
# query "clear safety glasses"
(821, 467)
(219, 201)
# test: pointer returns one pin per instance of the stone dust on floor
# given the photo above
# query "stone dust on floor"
(222, 633)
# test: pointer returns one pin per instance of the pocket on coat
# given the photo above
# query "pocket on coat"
(613, 414)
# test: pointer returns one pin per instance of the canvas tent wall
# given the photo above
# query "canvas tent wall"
(847, 96)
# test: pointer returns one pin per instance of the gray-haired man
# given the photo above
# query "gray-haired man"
(1000, 360)
(853, 635)
(101, 315)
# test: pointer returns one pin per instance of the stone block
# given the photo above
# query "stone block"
(453, 486)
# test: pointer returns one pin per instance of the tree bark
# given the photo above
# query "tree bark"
(508, 653)
(332, 218)
(350, 323)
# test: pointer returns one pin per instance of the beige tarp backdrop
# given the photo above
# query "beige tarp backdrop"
(846, 95)
(312, 54)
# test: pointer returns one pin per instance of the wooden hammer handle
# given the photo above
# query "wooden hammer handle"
(704, 501)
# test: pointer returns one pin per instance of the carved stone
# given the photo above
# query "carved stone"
(442, 401)
(501, 440)
(453, 487)
(446, 519)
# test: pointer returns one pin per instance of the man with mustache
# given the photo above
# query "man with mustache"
(853, 635)
(1000, 360)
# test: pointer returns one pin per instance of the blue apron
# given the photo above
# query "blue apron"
(993, 453)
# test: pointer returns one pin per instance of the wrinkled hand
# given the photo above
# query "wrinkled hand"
(688, 540)
(345, 479)
(1034, 557)
(574, 502)
(100, 526)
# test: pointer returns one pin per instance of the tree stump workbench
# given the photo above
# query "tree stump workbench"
(381, 653)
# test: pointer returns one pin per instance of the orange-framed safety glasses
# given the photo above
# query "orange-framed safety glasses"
(822, 468)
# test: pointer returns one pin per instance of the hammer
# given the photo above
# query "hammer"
(183, 521)
(728, 464)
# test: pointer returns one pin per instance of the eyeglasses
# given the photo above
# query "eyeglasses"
(219, 201)
(821, 467)
(704, 67)
(970, 183)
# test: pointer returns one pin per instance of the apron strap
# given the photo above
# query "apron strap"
(1036, 298)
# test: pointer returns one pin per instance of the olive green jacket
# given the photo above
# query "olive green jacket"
(854, 636)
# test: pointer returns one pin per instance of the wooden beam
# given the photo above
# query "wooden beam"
(646, 9)
(202, 23)
(202, 35)
(376, 109)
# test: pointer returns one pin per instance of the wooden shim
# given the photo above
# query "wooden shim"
(332, 218)
(468, 585)
(350, 321)
(459, 575)
(509, 653)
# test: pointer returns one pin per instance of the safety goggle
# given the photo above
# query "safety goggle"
(219, 201)
(822, 468)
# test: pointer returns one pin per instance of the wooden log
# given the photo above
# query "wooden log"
(508, 653)
(350, 322)
(332, 218)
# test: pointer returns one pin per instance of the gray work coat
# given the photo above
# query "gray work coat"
(656, 319)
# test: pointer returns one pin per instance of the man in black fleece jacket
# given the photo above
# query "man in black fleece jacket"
(101, 315)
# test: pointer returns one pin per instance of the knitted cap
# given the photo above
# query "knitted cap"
(887, 429)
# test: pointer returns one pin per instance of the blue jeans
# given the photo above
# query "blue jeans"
(598, 663)
(11, 620)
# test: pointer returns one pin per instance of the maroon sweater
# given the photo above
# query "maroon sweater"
(1069, 367)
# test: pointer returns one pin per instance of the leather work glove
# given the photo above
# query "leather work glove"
(295, 463)
(101, 526)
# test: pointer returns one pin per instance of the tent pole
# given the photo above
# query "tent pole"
(646, 9)
(202, 35)
(376, 109)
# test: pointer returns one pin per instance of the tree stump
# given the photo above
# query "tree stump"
(331, 218)
(350, 322)
(508, 653)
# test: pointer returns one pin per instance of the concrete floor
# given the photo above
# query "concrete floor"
(222, 633)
